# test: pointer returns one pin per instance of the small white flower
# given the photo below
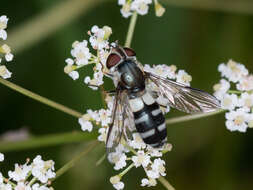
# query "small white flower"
(221, 88)
(105, 117)
(141, 159)
(74, 75)
(245, 83)
(69, 61)
(158, 165)
(162, 70)
(154, 152)
(36, 186)
(1, 157)
(22, 186)
(120, 185)
(20, 172)
(99, 37)
(126, 8)
(137, 142)
(9, 57)
(140, 6)
(118, 158)
(148, 182)
(3, 26)
(43, 170)
(246, 100)
(4, 72)
(232, 71)
(5, 186)
(183, 77)
(229, 101)
(93, 114)
(85, 125)
(81, 53)
(103, 134)
(236, 120)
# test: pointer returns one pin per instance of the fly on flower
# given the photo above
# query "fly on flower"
(136, 101)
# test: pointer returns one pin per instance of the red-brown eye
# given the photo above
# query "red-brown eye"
(112, 60)
(130, 52)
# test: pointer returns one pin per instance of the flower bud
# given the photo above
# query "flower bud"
(115, 179)
(108, 32)
(159, 9)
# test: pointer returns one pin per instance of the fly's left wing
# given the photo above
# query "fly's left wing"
(184, 98)
(122, 121)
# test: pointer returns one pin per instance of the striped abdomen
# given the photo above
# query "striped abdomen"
(149, 120)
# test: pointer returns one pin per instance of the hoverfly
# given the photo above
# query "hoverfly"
(137, 104)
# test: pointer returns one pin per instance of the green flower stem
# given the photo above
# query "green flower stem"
(126, 170)
(234, 92)
(166, 183)
(40, 98)
(130, 31)
(45, 141)
(192, 117)
(34, 179)
(72, 162)
(243, 7)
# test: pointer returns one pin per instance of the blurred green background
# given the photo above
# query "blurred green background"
(196, 37)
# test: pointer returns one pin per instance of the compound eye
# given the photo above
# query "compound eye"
(130, 52)
(112, 60)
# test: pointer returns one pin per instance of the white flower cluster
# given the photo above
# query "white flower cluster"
(169, 72)
(134, 151)
(82, 56)
(33, 176)
(239, 101)
(139, 155)
(139, 6)
(5, 50)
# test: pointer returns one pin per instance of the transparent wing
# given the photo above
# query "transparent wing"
(122, 121)
(182, 97)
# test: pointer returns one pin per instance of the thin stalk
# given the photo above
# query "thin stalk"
(192, 117)
(45, 141)
(234, 92)
(72, 162)
(126, 170)
(40, 98)
(130, 31)
(166, 183)
(32, 181)
(101, 160)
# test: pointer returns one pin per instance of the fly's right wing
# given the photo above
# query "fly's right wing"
(184, 98)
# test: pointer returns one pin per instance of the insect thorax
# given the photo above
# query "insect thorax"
(131, 77)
